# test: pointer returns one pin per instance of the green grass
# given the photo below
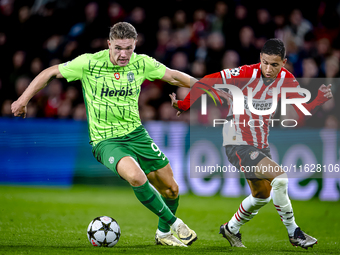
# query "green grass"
(54, 221)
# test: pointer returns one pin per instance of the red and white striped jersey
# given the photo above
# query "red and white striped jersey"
(250, 128)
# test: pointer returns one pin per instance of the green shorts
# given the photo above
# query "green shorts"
(137, 144)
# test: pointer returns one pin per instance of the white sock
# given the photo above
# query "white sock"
(162, 234)
(174, 226)
(282, 202)
(247, 210)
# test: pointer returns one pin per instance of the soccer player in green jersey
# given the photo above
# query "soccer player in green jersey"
(111, 82)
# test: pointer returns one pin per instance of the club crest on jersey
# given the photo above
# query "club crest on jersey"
(254, 155)
(117, 76)
(270, 92)
(130, 76)
(235, 71)
(111, 160)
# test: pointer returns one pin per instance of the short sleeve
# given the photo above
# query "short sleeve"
(154, 70)
(73, 70)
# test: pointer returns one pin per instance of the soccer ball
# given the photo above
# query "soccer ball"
(103, 231)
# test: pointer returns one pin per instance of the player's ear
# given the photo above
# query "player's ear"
(284, 61)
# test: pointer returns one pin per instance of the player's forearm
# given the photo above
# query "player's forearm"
(38, 83)
(181, 79)
(312, 107)
(199, 88)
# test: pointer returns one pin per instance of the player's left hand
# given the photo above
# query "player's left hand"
(326, 90)
(174, 103)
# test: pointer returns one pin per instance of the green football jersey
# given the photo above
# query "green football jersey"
(111, 92)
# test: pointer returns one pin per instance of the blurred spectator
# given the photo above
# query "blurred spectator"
(240, 20)
(279, 21)
(297, 28)
(21, 84)
(332, 122)
(309, 77)
(147, 113)
(79, 112)
(200, 25)
(198, 69)
(36, 67)
(221, 18)
(6, 108)
(180, 62)
(247, 51)
(231, 59)
(19, 65)
(166, 112)
(163, 38)
(65, 109)
(32, 110)
(54, 100)
(264, 26)
(215, 50)
(116, 13)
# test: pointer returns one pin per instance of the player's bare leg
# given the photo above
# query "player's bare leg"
(130, 170)
(279, 182)
(163, 180)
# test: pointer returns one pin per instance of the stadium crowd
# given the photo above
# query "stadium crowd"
(197, 39)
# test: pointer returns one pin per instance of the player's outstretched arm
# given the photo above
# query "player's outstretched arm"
(324, 94)
(19, 107)
(177, 78)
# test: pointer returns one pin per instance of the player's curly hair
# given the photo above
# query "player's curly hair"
(274, 46)
(123, 30)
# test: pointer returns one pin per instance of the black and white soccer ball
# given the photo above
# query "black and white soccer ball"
(103, 231)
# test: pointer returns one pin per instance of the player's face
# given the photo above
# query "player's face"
(121, 50)
(271, 65)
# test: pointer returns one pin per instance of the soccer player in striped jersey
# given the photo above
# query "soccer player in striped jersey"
(247, 145)
(111, 82)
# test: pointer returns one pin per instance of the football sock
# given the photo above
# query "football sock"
(282, 202)
(162, 234)
(175, 225)
(247, 210)
(150, 198)
(173, 205)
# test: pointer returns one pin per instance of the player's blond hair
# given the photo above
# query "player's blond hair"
(123, 30)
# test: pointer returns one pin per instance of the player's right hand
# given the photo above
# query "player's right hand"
(18, 109)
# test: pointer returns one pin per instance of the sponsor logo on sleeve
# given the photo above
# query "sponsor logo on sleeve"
(227, 72)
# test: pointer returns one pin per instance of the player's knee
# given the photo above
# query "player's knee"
(136, 178)
(260, 201)
(171, 192)
(262, 193)
(280, 182)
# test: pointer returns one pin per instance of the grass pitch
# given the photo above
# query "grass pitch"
(54, 221)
